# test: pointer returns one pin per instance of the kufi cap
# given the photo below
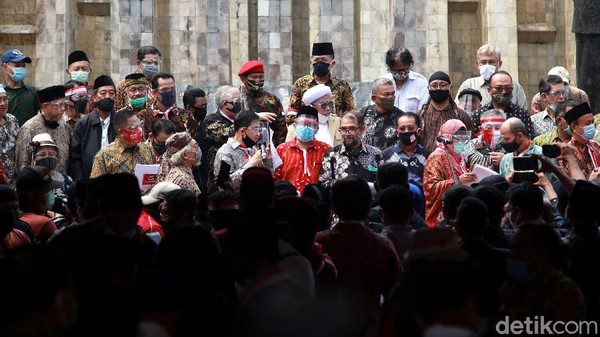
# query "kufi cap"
(103, 81)
(44, 139)
(560, 71)
(76, 56)
(251, 67)
(322, 48)
(52, 93)
(572, 115)
(14, 55)
(157, 193)
(308, 111)
(439, 75)
(315, 93)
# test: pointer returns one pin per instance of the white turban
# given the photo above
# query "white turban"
(315, 93)
(2, 91)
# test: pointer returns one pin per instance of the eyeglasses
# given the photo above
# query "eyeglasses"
(60, 105)
(499, 88)
(79, 97)
(347, 130)
(324, 104)
(157, 62)
(439, 86)
(558, 93)
(3, 99)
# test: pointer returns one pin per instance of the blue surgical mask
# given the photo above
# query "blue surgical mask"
(19, 74)
(568, 130)
(305, 133)
(589, 131)
(517, 271)
(169, 98)
(459, 147)
(80, 76)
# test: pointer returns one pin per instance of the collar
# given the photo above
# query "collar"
(363, 148)
(481, 83)
(311, 146)
(419, 149)
(225, 116)
(329, 82)
(544, 113)
(233, 143)
(529, 147)
(122, 149)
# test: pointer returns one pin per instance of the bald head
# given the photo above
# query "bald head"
(513, 130)
(515, 125)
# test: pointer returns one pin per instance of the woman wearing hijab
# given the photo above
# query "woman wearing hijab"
(176, 166)
(443, 169)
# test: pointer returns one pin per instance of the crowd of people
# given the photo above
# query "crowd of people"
(417, 215)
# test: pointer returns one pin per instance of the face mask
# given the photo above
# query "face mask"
(255, 85)
(568, 130)
(459, 147)
(49, 162)
(305, 133)
(323, 119)
(160, 149)
(138, 102)
(237, 107)
(387, 104)
(51, 124)
(492, 138)
(106, 104)
(248, 142)
(552, 106)
(588, 132)
(80, 106)
(168, 98)
(486, 71)
(502, 99)
(439, 96)
(199, 113)
(150, 70)
(50, 199)
(321, 68)
(19, 74)
(133, 137)
(511, 147)
(401, 75)
(567, 89)
(517, 271)
(408, 138)
(80, 76)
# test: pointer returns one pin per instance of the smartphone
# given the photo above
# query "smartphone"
(223, 176)
(551, 151)
(525, 163)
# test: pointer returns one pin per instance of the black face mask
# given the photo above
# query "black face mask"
(80, 106)
(237, 107)
(49, 162)
(321, 68)
(51, 124)
(439, 96)
(511, 147)
(160, 149)
(199, 114)
(248, 142)
(106, 104)
(408, 138)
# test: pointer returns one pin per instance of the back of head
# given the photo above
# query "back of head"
(583, 201)
(544, 239)
(496, 181)
(397, 204)
(189, 96)
(284, 188)
(351, 198)
(223, 208)
(181, 201)
(257, 188)
(528, 199)
(391, 173)
(471, 217)
(302, 218)
(452, 198)
(163, 125)
(118, 192)
(255, 234)
(244, 119)
(494, 199)
(321, 196)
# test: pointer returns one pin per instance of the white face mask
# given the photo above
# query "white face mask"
(486, 71)
(323, 119)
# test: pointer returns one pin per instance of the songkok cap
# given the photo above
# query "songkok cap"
(157, 193)
(2, 91)
(322, 48)
(435, 244)
(103, 81)
(178, 140)
(51, 93)
(44, 139)
(76, 56)
(439, 75)
(135, 78)
(251, 67)
(31, 178)
(560, 71)
(308, 111)
(470, 92)
(315, 93)
(572, 115)
(14, 55)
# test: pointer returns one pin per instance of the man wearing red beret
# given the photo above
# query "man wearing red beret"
(262, 102)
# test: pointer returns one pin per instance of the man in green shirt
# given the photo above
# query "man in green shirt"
(22, 99)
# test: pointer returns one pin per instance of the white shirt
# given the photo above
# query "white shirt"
(413, 94)
(105, 123)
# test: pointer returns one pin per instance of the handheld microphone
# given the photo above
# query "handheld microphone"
(443, 140)
(263, 150)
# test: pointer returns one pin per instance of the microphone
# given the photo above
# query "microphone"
(263, 150)
(443, 140)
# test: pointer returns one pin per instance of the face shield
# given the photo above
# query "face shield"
(469, 103)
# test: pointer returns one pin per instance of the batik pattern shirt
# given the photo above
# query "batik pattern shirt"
(341, 93)
(542, 123)
(338, 163)
(238, 158)
(117, 159)
(380, 129)
(511, 111)
(8, 139)
(264, 101)
(300, 167)
(477, 152)
(433, 120)
(415, 162)
(547, 138)
(537, 104)
(183, 177)
(587, 155)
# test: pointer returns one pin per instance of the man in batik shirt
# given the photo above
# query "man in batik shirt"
(165, 104)
(9, 128)
(352, 157)
(136, 88)
(380, 117)
(586, 150)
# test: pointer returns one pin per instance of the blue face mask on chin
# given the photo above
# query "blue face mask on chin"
(305, 133)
